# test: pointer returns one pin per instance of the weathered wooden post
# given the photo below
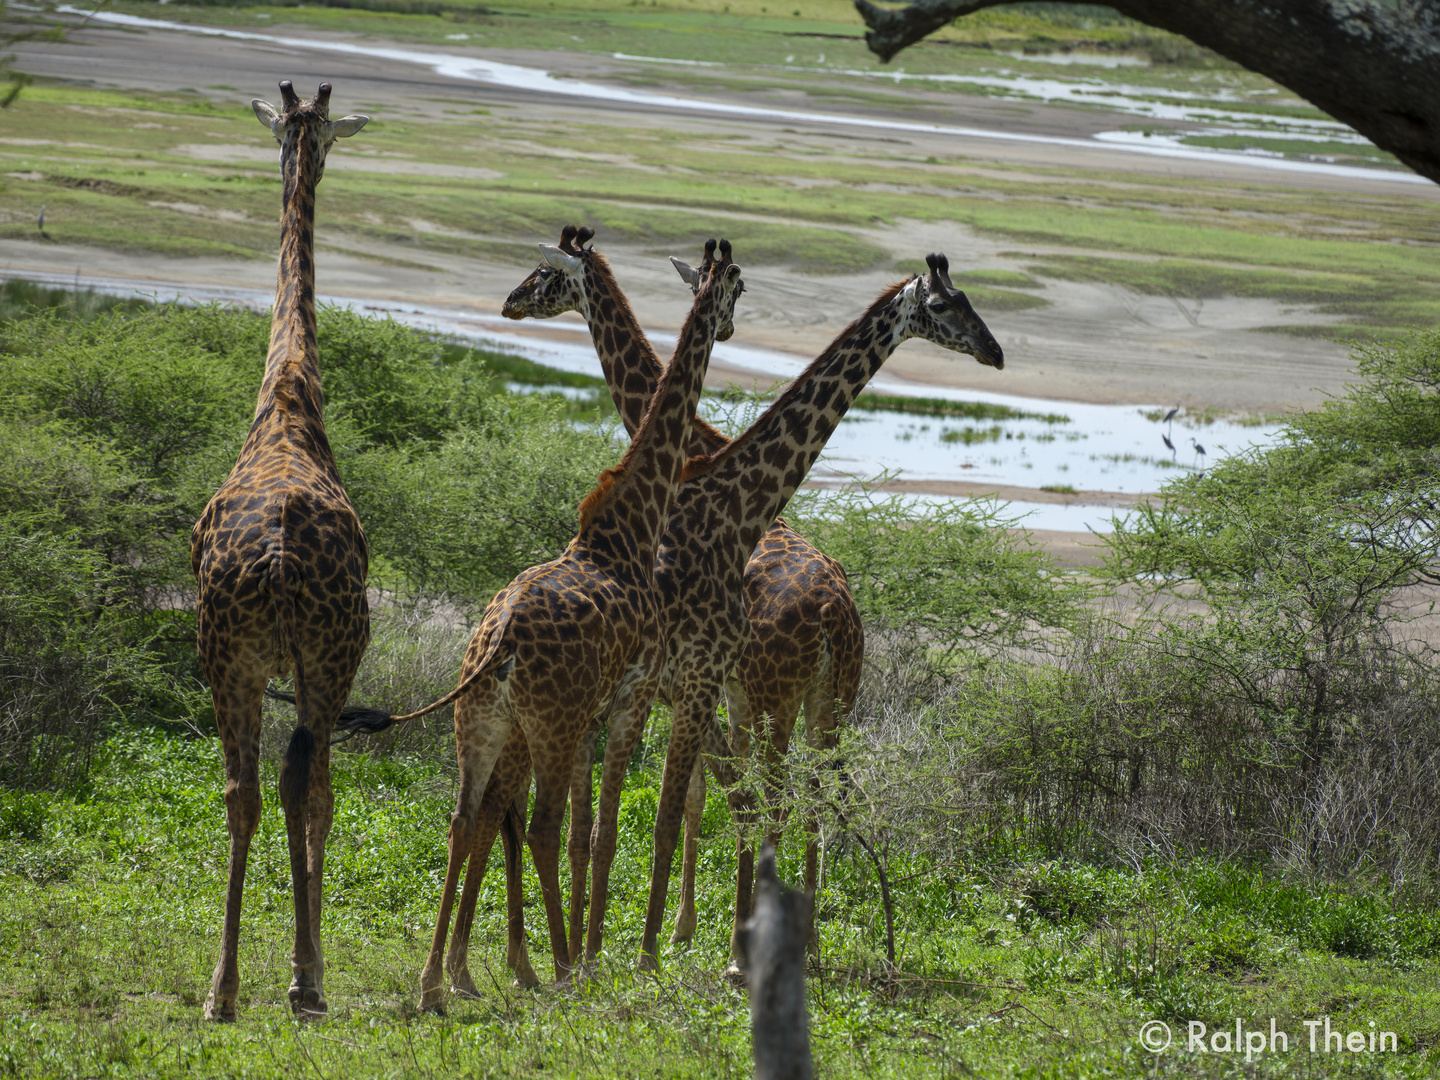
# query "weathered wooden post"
(773, 948)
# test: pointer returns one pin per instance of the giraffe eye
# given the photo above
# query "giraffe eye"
(937, 304)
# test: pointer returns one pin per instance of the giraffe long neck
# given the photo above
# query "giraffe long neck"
(756, 475)
(623, 518)
(632, 370)
(290, 395)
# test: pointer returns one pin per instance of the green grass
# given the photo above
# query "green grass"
(1007, 963)
(969, 410)
(183, 175)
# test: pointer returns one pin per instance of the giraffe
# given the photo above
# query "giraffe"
(723, 511)
(570, 644)
(281, 563)
(730, 504)
(806, 643)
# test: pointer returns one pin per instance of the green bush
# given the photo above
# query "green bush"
(461, 520)
(958, 575)
(69, 655)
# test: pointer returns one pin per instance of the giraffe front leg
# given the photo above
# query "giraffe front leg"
(626, 727)
(239, 733)
(742, 809)
(544, 839)
(685, 919)
(693, 714)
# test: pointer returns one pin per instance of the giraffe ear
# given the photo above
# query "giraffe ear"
(347, 126)
(266, 114)
(687, 273)
(732, 272)
(560, 260)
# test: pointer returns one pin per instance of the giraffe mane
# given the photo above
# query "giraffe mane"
(887, 294)
(700, 463)
(590, 506)
(600, 266)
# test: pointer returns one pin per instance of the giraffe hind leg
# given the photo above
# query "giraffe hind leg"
(510, 775)
(582, 822)
(481, 730)
(237, 715)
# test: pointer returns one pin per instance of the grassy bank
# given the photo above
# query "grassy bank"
(1008, 960)
(434, 183)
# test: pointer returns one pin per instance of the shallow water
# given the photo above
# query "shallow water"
(535, 80)
(1110, 448)
(1082, 59)
(1099, 448)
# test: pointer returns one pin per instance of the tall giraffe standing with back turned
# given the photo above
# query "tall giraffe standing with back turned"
(281, 561)
(806, 642)
(567, 646)
(722, 512)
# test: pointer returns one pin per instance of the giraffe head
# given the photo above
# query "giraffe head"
(693, 277)
(557, 285)
(939, 312)
(305, 123)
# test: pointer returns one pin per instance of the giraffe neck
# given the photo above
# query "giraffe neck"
(290, 395)
(622, 520)
(632, 370)
(759, 471)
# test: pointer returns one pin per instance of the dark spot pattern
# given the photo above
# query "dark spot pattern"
(281, 562)
(586, 640)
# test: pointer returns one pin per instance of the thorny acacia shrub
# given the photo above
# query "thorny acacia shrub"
(959, 575)
(1122, 753)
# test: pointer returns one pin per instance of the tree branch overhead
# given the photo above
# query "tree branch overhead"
(1372, 66)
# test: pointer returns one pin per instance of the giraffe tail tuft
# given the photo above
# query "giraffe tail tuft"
(353, 720)
(295, 769)
(359, 720)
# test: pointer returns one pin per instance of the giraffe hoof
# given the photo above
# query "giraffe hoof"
(648, 962)
(308, 1003)
(222, 1014)
(735, 975)
(464, 986)
(433, 1001)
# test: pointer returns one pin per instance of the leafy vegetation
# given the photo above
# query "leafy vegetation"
(1042, 827)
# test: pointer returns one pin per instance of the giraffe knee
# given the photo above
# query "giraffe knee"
(243, 806)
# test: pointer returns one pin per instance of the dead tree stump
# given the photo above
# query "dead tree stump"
(773, 948)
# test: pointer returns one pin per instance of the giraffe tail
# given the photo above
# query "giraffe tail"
(360, 720)
(299, 760)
